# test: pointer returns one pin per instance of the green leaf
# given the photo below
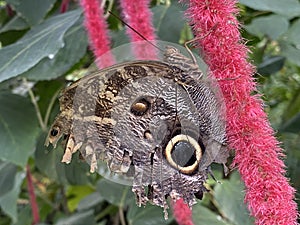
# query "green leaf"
(270, 65)
(292, 125)
(229, 197)
(148, 215)
(291, 145)
(169, 22)
(16, 23)
(24, 215)
(77, 172)
(202, 215)
(48, 161)
(288, 8)
(114, 193)
(293, 108)
(18, 128)
(89, 201)
(264, 25)
(80, 218)
(45, 91)
(7, 176)
(291, 52)
(42, 41)
(75, 194)
(8, 202)
(33, 11)
(293, 34)
(119, 38)
(102, 223)
(75, 47)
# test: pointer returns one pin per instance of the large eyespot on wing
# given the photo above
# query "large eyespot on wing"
(183, 152)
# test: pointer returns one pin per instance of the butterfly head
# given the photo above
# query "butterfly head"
(59, 129)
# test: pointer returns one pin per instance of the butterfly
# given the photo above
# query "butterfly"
(158, 122)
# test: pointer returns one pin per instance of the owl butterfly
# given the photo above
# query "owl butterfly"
(158, 122)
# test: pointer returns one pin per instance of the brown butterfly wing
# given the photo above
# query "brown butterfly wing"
(136, 117)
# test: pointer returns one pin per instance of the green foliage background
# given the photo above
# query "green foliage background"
(41, 49)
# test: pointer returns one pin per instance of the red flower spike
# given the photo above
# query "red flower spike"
(32, 197)
(64, 6)
(182, 213)
(96, 27)
(269, 196)
(138, 15)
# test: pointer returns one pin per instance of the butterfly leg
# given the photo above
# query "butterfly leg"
(71, 148)
(90, 153)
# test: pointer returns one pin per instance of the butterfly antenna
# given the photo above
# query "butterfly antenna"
(142, 36)
(196, 39)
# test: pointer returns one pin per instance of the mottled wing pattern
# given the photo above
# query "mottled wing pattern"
(160, 123)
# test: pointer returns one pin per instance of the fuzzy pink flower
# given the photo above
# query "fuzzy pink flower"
(268, 193)
(182, 213)
(64, 6)
(96, 27)
(138, 15)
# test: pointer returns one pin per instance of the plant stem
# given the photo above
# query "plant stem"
(122, 203)
(32, 197)
(64, 201)
(105, 212)
(37, 109)
(122, 218)
(49, 109)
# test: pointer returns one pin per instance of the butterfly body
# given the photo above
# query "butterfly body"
(160, 123)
